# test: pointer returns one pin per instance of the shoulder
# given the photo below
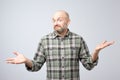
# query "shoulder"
(47, 36)
(75, 35)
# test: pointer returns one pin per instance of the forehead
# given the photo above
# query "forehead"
(60, 15)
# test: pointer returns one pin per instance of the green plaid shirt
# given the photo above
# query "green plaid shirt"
(62, 56)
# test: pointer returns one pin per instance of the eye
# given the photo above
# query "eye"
(60, 20)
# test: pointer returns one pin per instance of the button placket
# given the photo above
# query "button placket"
(62, 58)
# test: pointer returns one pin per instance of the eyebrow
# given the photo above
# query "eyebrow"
(57, 18)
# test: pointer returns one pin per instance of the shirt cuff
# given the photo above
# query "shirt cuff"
(28, 68)
(95, 62)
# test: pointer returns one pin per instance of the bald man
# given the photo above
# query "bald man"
(61, 50)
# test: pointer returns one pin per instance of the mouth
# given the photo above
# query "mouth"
(56, 26)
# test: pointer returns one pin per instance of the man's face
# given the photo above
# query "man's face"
(60, 22)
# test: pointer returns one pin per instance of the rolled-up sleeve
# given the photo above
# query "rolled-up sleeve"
(85, 57)
(39, 59)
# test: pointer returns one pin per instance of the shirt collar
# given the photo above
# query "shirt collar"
(55, 34)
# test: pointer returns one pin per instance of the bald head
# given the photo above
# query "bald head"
(61, 13)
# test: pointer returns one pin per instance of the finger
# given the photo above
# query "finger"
(112, 42)
(104, 42)
(10, 59)
(11, 62)
(108, 43)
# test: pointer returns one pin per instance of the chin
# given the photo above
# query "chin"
(59, 31)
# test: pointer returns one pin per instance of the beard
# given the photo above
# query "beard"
(60, 29)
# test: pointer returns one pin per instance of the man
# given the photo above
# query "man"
(61, 50)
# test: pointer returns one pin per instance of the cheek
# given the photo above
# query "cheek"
(63, 24)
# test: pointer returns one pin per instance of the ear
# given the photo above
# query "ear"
(68, 22)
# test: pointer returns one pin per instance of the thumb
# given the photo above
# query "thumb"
(16, 53)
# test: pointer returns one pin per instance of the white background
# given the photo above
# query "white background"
(24, 22)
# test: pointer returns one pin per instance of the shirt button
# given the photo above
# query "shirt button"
(62, 48)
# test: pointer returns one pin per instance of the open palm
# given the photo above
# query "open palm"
(104, 44)
(19, 59)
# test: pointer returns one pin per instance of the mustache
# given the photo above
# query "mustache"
(59, 25)
(56, 25)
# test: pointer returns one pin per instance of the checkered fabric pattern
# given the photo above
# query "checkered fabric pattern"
(62, 56)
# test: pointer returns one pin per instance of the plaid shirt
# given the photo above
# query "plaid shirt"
(62, 56)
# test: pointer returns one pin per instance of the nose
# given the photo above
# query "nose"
(55, 22)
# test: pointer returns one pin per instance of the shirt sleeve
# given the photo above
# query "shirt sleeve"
(39, 59)
(85, 56)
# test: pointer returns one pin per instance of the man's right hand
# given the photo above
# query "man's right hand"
(19, 59)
